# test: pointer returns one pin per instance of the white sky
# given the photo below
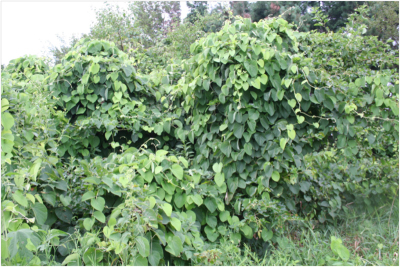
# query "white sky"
(29, 28)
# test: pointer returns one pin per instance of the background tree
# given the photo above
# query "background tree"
(384, 21)
(154, 19)
(240, 8)
(58, 52)
(337, 12)
(292, 11)
(115, 25)
(197, 7)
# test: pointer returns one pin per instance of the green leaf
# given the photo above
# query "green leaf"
(174, 246)
(282, 143)
(197, 199)
(223, 216)
(176, 223)
(266, 234)
(292, 134)
(306, 71)
(236, 237)
(294, 68)
(280, 94)
(251, 67)
(377, 80)
(300, 119)
(4, 104)
(92, 98)
(20, 198)
(71, 258)
(212, 221)
(177, 170)
(99, 216)
(256, 83)
(65, 200)
(219, 179)
(212, 235)
(128, 69)
(94, 68)
(343, 253)
(88, 195)
(138, 260)
(288, 82)
(206, 84)
(292, 103)
(40, 211)
(143, 246)
(7, 121)
(92, 256)
(223, 127)
(275, 176)
(298, 97)
(264, 79)
(88, 223)
(180, 199)
(248, 148)
(167, 209)
(98, 203)
(233, 184)
(238, 130)
(211, 204)
(34, 169)
(158, 170)
(217, 167)
(247, 231)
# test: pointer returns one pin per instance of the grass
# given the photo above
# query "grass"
(371, 236)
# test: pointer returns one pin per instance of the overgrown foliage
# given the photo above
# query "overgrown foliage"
(260, 128)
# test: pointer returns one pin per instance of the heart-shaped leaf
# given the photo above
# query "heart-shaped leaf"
(88, 195)
(99, 216)
(264, 79)
(88, 223)
(300, 119)
(177, 170)
(118, 95)
(217, 167)
(219, 179)
(275, 176)
(94, 68)
(282, 143)
(65, 200)
(92, 98)
(98, 203)
(292, 103)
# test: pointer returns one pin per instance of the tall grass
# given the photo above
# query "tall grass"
(371, 236)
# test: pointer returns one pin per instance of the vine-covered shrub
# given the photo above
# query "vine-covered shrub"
(259, 106)
(107, 101)
(248, 94)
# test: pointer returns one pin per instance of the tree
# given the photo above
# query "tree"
(338, 12)
(154, 19)
(116, 25)
(384, 21)
(142, 24)
(58, 52)
(240, 8)
(292, 11)
(197, 7)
